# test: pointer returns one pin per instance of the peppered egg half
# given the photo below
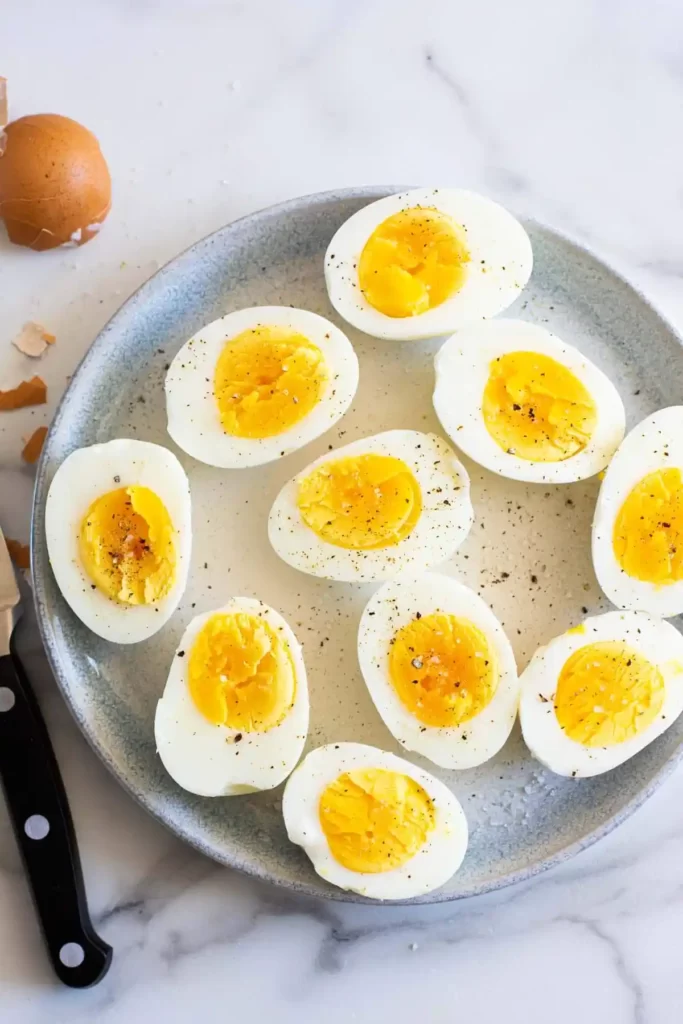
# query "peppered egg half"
(596, 695)
(119, 535)
(524, 404)
(425, 262)
(258, 384)
(638, 524)
(233, 717)
(439, 669)
(373, 823)
(367, 511)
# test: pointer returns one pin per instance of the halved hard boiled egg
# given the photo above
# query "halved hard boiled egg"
(119, 535)
(233, 717)
(258, 384)
(373, 823)
(425, 262)
(439, 669)
(367, 511)
(638, 524)
(524, 404)
(596, 695)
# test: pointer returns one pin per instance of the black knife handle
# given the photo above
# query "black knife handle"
(42, 822)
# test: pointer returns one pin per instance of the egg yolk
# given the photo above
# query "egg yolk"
(375, 820)
(266, 380)
(648, 531)
(537, 409)
(442, 669)
(241, 672)
(412, 262)
(361, 502)
(127, 545)
(607, 693)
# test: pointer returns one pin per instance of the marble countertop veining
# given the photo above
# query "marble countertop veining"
(206, 110)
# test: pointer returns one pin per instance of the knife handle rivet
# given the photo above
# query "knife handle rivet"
(37, 826)
(72, 954)
(7, 699)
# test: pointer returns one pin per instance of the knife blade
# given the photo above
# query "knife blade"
(39, 810)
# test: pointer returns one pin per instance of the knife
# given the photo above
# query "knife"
(39, 810)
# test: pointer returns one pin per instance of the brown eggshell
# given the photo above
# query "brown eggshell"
(55, 187)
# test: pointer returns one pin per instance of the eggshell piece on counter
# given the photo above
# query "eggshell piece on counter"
(55, 187)
(19, 553)
(4, 115)
(33, 340)
(34, 446)
(29, 392)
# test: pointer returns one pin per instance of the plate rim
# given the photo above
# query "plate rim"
(37, 544)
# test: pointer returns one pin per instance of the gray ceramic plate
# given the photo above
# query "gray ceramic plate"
(523, 819)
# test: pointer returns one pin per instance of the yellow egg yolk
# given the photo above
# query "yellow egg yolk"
(648, 531)
(607, 693)
(375, 820)
(241, 672)
(412, 262)
(127, 545)
(442, 669)
(361, 502)
(266, 380)
(537, 409)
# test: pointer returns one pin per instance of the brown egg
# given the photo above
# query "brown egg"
(55, 186)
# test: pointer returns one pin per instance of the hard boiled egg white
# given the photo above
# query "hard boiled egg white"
(425, 262)
(373, 823)
(234, 714)
(596, 695)
(638, 524)
(258, 384)
(524, 404)
(440, 669)
(119, 535)
(367, 511)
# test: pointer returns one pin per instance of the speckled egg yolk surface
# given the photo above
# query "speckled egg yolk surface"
(361, 502)
(127, 545)
(267, 379)
(443, 669)
(241, 673)
(607, 693)
(648, 531)
(412, 262)
(537, 409)
(375, 820)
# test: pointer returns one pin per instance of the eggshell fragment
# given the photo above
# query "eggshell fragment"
(29, 392)
(19, 553)
(33, 339)
(55, 187)
(4, 114)
(34, 446)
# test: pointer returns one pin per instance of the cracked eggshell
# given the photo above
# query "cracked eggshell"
(55, 187)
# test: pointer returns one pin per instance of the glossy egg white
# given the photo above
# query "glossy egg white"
(656, 443)
(85, 475)
(658, 641)
(193, 419)
(500, 264)
(462, 368)
(208, 759)
(446, 517)
(394, 606)
(434, 864)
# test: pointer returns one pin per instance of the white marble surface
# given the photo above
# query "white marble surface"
(206, 110)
